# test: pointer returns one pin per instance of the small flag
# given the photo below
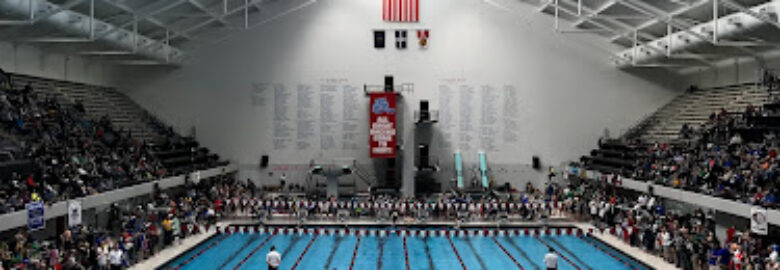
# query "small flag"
(423, 36)
(401, 10)
(400, 39)
(379, 39)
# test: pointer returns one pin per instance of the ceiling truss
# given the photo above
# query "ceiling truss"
(154, 31)
(660, 28)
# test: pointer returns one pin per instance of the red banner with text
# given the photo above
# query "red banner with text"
(382, 128)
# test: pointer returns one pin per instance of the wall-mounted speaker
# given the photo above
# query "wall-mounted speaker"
(264, 161)
(389, 83)
(424, 155)
(535, 163)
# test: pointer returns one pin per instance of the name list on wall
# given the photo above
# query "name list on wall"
(350, 117)
(489, 125)
(307, 118)
(476, 117)
(283, 129)
(329, 115)
(511, 115)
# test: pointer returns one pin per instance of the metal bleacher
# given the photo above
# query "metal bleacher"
(178, 154)
(98, 101)
(694, 108)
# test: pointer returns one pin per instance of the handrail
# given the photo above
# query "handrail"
(19, 218)
(701, 200)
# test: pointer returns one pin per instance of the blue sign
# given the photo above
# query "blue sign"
(381, 106)
(35, 218)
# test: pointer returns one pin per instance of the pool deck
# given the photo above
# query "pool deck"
(170, 253)
(635, 252)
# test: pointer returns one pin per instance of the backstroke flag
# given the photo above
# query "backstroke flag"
(758, 221)
(401, 10)
(74, 213)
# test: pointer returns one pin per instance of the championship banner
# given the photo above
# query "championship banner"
(74, 213)
(382, 129)
(35, 218)
(758, 221)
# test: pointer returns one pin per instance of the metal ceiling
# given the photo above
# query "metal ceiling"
(652, 33)
(156, 32)
(674, 34)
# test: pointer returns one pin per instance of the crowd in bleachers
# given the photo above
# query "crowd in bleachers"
(732, 155)
(131, 234)
(74, 155)
(687, 240)
(716, 159)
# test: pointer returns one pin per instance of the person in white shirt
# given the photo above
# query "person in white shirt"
(274, 259)
(593, 209)
(666, 243)
(102, 258)
(551, 260)
(115, 258)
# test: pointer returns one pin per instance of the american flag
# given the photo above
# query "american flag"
(401, 10)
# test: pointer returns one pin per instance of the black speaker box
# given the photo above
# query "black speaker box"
(264, 161)
(535, 163)
(388, 83)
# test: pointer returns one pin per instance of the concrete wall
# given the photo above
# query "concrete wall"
(504, 81)
(37, 61)
(19, 218)
(729, 72)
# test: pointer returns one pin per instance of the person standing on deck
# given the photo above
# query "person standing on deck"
(551, 260)
(274, 259)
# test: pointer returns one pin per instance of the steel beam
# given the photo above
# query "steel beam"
(763, 17)
(657, 19)
(650, 10)
(137, 17)
(594, 13)
(208, 12)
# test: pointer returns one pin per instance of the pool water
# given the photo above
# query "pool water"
(392, 250)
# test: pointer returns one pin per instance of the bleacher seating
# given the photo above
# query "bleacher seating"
(613, 156)
(97, 101)
(63, 140)
(729, 152)
(694, 108)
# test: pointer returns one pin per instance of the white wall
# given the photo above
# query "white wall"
(31, 60)
(733, 71)
(566, 91)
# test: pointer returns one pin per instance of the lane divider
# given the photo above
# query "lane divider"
(457, 254)
(406, 254)
(608, 253)
(298, 261)
(559, 254)
(507, 253)
(196, 255)
(243, 261)
(354, 254)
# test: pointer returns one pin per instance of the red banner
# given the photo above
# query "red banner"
(382, 129)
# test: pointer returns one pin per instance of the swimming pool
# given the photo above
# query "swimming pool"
(377, 248)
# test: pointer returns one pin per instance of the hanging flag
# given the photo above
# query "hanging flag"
(379, 39)
(400, 39)
(758, 221)
(382, 129)
(423, 35)
(74, 213)
(401, 10)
